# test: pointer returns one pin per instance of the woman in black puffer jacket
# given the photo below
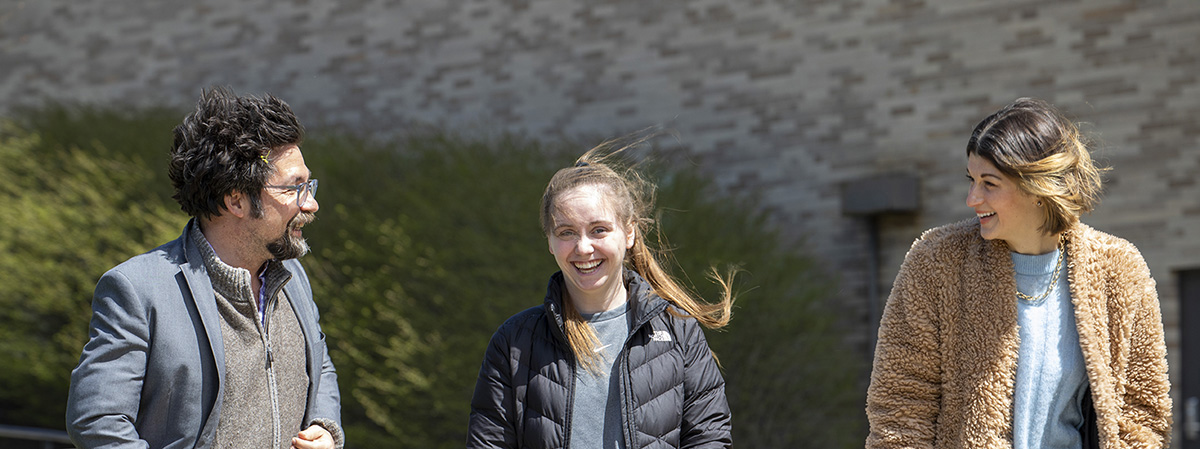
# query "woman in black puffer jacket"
(615, 358)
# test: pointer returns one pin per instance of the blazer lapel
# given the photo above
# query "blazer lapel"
(296, 297)
(299, 300)
(202, 296)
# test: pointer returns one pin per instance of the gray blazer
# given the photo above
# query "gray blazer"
(152, 372)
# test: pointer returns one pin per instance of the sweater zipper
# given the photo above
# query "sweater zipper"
(270, 368)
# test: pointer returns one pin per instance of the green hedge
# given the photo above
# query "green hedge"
(67, 214)
(422, 247)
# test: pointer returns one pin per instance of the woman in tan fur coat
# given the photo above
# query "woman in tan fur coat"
(1022, 327)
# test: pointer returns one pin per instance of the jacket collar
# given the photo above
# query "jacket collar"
(644, 304)
(993, 259)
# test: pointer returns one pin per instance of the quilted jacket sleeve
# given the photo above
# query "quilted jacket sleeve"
(493, 415)
(905, 390)
(706, 416)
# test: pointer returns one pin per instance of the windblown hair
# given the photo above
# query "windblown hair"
(221, 148)
(1035, 145)
(632, 198)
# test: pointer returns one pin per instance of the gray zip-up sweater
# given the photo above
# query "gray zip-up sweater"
(266, 375)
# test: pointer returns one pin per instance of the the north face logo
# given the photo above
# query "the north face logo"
(660, 336)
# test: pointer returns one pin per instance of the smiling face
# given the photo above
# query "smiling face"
(588, 242)
(278, 231)
(1005, 212)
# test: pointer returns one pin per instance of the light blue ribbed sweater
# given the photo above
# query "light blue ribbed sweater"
(1051, 377)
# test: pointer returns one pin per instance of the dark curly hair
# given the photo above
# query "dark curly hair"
(221, 148)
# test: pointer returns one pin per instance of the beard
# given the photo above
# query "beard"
(288, 246)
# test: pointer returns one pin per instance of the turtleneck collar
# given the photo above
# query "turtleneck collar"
(235, 283)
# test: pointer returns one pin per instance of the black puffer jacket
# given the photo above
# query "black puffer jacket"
(526, 385)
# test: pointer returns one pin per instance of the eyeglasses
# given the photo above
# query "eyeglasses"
(303, 190)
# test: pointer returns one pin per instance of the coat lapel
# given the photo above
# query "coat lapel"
(299, 298)
(1090, 303)
(296, 297)
(201, 294)
(1087, 296)
(990, 337)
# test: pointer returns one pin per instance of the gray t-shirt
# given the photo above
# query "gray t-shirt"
(596, 416)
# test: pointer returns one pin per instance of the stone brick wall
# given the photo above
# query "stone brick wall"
(789, 99)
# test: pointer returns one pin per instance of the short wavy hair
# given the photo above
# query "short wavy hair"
(1034, 144)
(222, 147)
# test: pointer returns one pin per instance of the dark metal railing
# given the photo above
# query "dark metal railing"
(50, 439)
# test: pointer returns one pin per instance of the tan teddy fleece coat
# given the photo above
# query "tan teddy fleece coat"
(946, 359)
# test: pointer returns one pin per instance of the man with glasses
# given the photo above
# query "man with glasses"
(213, 340)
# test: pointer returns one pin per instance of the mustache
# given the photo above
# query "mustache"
(303, 218)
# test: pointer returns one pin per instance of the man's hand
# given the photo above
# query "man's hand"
(314, 437)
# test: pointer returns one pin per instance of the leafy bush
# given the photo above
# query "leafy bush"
(423, 246)
(69, 214)
(431, 245)
(791, 381)
(421, 253)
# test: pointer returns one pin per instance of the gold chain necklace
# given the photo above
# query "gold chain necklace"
(1053, 278)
